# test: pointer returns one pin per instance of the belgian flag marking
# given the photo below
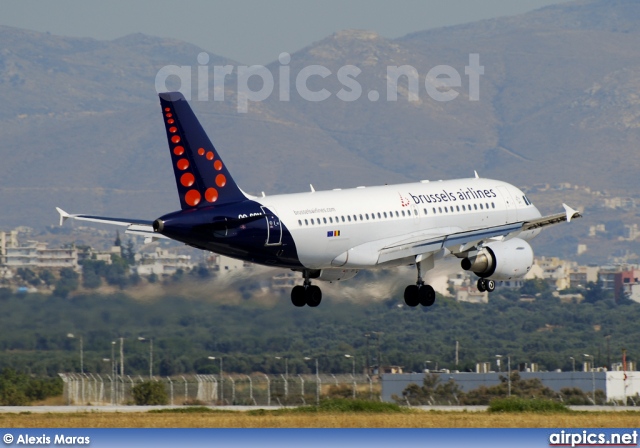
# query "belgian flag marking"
(332, 233)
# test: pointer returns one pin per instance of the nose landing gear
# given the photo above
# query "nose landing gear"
(420, 293)
(306, 294)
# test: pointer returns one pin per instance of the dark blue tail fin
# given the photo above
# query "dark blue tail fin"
(202, 178)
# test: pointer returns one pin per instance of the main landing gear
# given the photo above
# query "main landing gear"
(486, 285)
(419, 293)
(306, 294)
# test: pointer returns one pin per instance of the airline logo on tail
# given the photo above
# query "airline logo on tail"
(201, 177)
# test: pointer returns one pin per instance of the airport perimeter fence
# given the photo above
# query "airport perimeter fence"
(234, 389)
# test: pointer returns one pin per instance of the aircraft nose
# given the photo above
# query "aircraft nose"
(158, 225)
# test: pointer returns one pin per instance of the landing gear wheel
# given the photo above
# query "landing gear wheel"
(490, 285)
(481, 285)
(412, 295)
(313, 296)
(426, 295)
(298, 296)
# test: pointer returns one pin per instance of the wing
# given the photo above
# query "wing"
(420, 246)
(133, 226)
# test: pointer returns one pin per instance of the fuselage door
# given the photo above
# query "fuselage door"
(274, 227)
(510, 205)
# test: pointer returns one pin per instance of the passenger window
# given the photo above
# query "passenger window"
(440, 209)
(361, 219)
(306, 223)
(367, 216)
(325, 220)
(385, 214)
(403, 213)
(349, 218)
(379, 217)
(330, 219)
(457, 208)
(342, 218)
(475, 206)
(425, 211)
(312, 223)
(355, 218)
(481, 207)
(493, 205)
(463, 208)
(434, 210)
(299, 222)
(397, 214)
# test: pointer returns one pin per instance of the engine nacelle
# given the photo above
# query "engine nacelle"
(334, 275)
(501, 260)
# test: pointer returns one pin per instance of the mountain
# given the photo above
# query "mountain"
(80, 124)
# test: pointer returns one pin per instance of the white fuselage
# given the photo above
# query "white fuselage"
(325, 224)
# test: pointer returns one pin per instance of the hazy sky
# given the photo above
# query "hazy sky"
(250, 31)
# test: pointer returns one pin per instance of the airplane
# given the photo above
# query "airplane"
(483, 224)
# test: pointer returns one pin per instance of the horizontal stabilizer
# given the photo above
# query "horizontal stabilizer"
(134, 226)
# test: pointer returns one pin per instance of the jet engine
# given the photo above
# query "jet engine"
(502, 260)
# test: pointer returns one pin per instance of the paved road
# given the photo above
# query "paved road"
(68, 409)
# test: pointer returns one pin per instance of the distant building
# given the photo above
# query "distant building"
(555, 271)
(37, 255)
(7, 240)
(580, 276)
(624, 281)
(226, 265)
(161, 262)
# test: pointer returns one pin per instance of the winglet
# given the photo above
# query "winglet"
(63, 215)
(313, 190)
(476, 174)
(571, 213)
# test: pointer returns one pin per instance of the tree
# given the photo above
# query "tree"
(67, 283)
(129, 254)
(150, 393)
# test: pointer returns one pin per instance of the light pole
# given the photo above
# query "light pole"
(379, 360)
(71, 336)
(221, 379)
(141, 339)
(509, 373)
(286, 375)
(114, 372)
(353, 364)
(593, 378)
(367, 368)
(306, 358)
(353, 372)
(573, 363)
(286, 365)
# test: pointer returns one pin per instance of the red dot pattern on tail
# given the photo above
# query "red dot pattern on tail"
(193, 197)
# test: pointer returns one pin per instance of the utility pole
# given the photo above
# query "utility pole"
(378, 334)
(457, 351)
(367, 336)
(122, 357)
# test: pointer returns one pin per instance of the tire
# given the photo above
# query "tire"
(490, 285)
(427, 295)
(313, 296)
(482, 287)
(411, 295)
(298, 296)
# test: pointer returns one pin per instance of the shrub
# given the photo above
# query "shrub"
(150, 393)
